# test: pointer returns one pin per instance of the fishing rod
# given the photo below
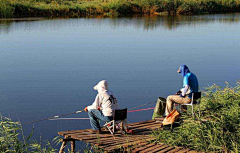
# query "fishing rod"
(54, 117)
(138, 110)
(143, 105)
(57, 117)
(130, 111)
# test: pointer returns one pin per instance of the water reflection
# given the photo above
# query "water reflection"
(146, 22)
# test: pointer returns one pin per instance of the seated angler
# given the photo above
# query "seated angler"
(183, 96)
(103, 106)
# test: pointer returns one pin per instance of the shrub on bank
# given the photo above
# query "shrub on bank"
(6, 9)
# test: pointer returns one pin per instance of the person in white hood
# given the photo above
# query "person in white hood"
(103, 106)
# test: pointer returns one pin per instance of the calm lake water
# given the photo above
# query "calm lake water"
(49, 67)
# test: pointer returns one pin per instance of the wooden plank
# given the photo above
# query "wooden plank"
(150, 148)
(159, 118)
(144, 147)
(141, 144)
(102, 139)
(175, 150)
(158, 125)
(90, 134)
(116, 141)
(140, 125)
(130, 144)
(159, 148)
(80, 138)
(193, 151)
(183, 151)
(166, 149)
(68, 132)
(76, 131)
(148, 127)
(141, 131)
(123, 141)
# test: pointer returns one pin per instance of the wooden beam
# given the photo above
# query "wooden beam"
(73, 146)
(64, 143)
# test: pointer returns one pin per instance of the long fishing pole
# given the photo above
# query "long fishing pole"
(54, 117)
(138, 110)
(142, 105)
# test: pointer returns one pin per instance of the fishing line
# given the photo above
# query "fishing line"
(69, 119)
(54, 117)
(138, 110)
(142, 105)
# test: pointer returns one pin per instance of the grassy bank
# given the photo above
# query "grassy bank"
(221, 133)
(78, 8)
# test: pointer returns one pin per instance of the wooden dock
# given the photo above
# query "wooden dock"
(138, 142)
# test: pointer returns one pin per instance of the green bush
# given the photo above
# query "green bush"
(6, 10)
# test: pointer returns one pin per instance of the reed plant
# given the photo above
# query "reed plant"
(13, 140)
(217, 130)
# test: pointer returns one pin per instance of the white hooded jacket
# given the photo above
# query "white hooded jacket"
(102, 99)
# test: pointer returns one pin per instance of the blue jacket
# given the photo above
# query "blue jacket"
(189, 79)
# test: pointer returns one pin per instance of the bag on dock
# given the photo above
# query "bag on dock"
(171, 118)
(159, 108)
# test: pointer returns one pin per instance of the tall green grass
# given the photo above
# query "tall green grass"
(220, 133)
(12, 139)
(78, 8)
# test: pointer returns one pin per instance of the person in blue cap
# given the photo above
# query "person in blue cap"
(184, 95)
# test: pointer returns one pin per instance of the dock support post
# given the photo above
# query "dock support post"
(64, 143)
(73, 146)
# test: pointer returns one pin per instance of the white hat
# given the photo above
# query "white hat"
(101, 85)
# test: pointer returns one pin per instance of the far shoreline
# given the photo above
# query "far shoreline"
(113, 8)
